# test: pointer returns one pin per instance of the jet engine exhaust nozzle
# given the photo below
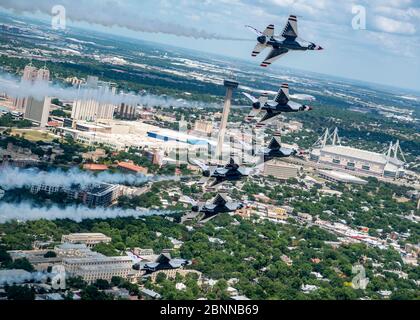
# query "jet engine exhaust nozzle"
(262, 39)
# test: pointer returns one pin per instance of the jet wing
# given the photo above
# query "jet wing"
(258, 48)
(282, 96)
(202, 165)
(250, 97)
(221, 171)
(218, 181)
(254, 112)
(245, 171)
(269, 115)
(287, 152)
(273, 56)
(291, 29)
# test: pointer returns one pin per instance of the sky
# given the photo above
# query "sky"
(385, 50)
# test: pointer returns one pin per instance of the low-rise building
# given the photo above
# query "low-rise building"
(103, 194)
(98, 267)
(131, 167)
(88, 239)
(277, 213)
(281, 170)
(337, 176)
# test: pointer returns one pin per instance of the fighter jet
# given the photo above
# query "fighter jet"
(230, 172)
(280, 104)
(280, 45)
(275, 150)
(220, 204)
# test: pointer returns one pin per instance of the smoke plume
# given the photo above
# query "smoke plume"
(16, 88)
(28, 212)
(11, 277)
(111, 13)
(12, 178)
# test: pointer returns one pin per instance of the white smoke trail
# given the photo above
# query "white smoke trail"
(27, 212)
(16, 88)
(11, 277)
(111, 13)
(12, 178)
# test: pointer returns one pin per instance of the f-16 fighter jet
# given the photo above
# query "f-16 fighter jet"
(280, 45)
(220, 204)
(275, 150)
(230, 172)
(280, 104)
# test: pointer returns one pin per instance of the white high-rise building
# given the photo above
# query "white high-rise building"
(37, 111)
(92, 109)
(34, 109)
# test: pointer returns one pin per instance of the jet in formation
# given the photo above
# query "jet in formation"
(280, 45)
(229, 172)
(274, 150)
(280, 104)
(219, 204)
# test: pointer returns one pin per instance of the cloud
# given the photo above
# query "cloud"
(394, 26)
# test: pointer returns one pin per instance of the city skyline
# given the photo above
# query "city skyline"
(390, 39)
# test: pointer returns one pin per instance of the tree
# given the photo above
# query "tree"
(161, 277)
(92, 293)
(50, 254)
(102, 284)
(116, 281)
(4, 256)
(20, 293)
(76, 283)
(23, 264)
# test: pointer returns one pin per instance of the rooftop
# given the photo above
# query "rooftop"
(132, 167)
(359, 154)
(342, 176)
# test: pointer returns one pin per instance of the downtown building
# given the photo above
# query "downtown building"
(93, 109)
(98, 266)
(88, 239)
(101, 195)
(35, 110)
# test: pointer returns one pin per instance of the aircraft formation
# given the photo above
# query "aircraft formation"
(271, 109)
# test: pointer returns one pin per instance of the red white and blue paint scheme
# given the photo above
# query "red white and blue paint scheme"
(280, 104)
(280, 45)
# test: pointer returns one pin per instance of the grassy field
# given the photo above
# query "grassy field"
(33, 135)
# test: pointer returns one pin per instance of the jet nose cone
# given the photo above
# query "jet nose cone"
(320, 48)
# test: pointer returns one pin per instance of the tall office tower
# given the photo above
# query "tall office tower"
(92, 82)
(34, 109)
(30, 73)
(43, 74)
(91, 110)
(38, 110)
(230, 85)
